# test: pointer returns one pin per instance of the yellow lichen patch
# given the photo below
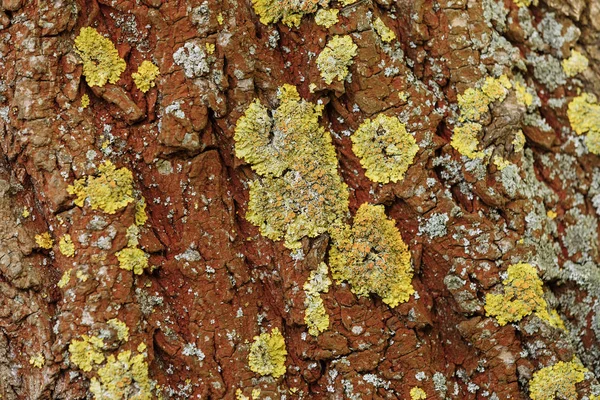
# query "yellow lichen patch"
(465, 141)
(310, 196)
(220, 19)
(525, 3)
(557, 381)
(315, 316)
(145, 76)
(417, 393)
(523, 295)
(267, 354)
(44, 240)
(584, 116)
(289, 12)
(336, 57)
(551, 214)
(372, 257)
(133, 259)
(86, 352)
(120, 327)
(25, 213)
(523, 96)
(210, 48)
(66, 246)
(519, 141)
(123, 377)
(101, 60)
(575, 64)
(473, 103)
(385, 33)
(132, 235)
(37, 360)
(109, 191)
(83, 277)
(501, 163)
(385, 148)
(140, 212)
(327, 17)
(64, 280)
(85, 101)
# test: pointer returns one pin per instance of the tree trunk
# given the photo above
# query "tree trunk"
(156, 242)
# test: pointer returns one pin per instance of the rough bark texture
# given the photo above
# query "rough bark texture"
(217, 283)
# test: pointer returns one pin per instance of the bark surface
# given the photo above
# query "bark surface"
(213, 282)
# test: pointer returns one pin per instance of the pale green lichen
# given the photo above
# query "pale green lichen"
(584, 116)
(44, 240)
(290, 12)
(300, 193)
(336, 57)
(145, 76)
(372, 257)
(86, 352)
(267, 354)
(523, 295)
(123, 377)
(66, 246)
(557, 381)
(109, 191)
(327, 17)
(133, 259)
(385, 33)
(385, 148)
(315, 316)
(575, 64)
(101, 60)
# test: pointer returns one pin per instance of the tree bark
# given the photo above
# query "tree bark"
(214, 281)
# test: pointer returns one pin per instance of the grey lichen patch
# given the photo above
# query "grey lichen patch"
(547, 70)
(193, 59)
(435, 226)
(582, 236)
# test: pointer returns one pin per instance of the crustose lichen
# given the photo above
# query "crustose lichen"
(101, 60)
(372, 257)
(300, 192)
